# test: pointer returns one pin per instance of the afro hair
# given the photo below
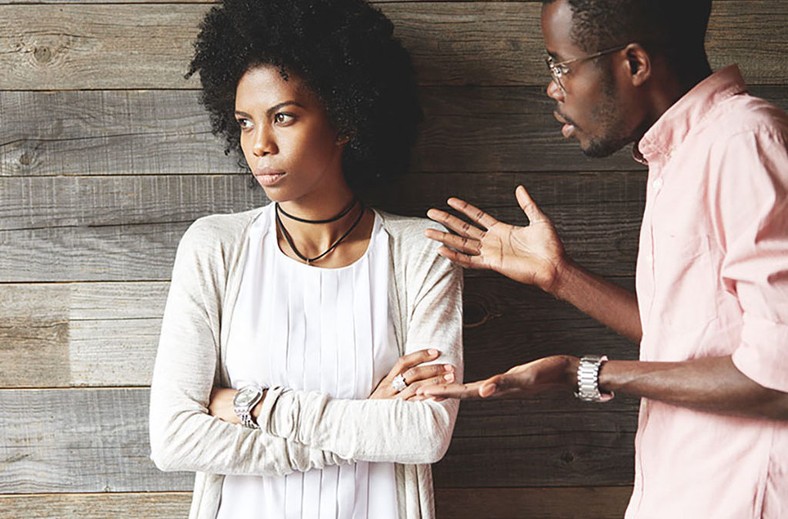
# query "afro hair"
(345, 52)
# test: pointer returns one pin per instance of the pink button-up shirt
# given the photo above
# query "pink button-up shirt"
(712, 280)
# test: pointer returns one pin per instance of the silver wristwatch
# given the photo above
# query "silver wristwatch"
(588, 379)
(244, 401)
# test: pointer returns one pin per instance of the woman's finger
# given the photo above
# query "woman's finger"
(422, 372)
(410, 360)
(410, 391)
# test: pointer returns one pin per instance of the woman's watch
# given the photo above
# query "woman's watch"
(588, 379)
(244, 401)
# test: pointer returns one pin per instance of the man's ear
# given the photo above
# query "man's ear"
(342, 139)
(639, 62)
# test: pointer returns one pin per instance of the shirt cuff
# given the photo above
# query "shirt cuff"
(763, 353)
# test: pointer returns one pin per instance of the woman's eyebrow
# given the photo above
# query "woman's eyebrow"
(276, 107)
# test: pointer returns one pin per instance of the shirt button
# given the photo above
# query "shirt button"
(657, 184)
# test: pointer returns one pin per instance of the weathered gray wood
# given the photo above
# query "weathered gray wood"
(601, 230)
(89, 440)
(106, 334)
(51, 202)
(487, 43)
(166, 132)
(152, 505)
(96, 440)
(457, 503)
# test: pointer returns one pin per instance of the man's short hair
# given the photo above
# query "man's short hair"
(673, 28)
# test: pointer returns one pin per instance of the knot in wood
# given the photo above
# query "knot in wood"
(42, 54)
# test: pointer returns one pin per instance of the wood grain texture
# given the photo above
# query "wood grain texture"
(456, 503)
(95, 46)
(106, 334)
(89, 440)
(100, 444)
(152, 505)
(599, 219)
(471, 129)
(532, 503)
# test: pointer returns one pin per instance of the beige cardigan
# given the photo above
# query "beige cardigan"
(299, 430)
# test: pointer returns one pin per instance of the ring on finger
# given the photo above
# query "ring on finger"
(399, 383)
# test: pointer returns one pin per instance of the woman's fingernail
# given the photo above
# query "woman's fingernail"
(432, 351)
(448, 367)
(449, 377)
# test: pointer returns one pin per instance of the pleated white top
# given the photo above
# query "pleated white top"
(313, 329)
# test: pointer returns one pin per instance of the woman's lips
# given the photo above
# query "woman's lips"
(268, 176)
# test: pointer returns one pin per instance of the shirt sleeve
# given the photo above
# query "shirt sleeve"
(387, 430)
(183, 435)
(753, 212)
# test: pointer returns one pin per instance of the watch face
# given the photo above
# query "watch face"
(245, 396)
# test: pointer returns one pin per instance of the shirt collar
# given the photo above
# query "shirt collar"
(672, 128)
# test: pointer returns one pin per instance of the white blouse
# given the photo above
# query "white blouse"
(315, 329)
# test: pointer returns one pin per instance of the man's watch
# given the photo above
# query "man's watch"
(588, 379)
(244, 401)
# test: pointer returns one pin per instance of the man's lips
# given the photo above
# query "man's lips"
(569, 128)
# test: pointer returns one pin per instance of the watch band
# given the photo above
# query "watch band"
(243, 403)
(588, 379)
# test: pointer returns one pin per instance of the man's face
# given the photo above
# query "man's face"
(589, 101)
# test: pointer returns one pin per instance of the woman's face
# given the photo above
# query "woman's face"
(291, 147)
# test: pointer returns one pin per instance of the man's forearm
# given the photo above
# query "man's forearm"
(712, 384)
(608, 303)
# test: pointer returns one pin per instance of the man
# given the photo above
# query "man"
(711, 311)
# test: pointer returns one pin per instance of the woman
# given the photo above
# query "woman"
(296, 335)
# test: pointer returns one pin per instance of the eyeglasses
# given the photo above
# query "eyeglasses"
(559, 70)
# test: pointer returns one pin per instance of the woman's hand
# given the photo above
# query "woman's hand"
(533, 254)
(415, 375)
(221, 405)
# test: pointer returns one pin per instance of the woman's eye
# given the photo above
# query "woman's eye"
(283, 118)
(245, 124)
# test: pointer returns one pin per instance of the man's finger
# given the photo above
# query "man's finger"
(460, 243)
(457, 225)
(461, 391)
(528, 205)
(472, 212)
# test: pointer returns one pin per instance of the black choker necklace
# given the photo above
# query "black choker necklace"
(291, 243)
(342, 213)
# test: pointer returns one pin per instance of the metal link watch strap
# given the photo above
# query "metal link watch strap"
(588, 379)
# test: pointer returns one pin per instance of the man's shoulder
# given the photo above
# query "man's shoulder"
(747, 113)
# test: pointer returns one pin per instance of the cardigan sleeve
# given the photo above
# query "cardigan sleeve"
(388, 430)
(183, 435)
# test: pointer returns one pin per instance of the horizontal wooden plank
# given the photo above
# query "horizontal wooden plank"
(599, 218)
(100, 444)
(79, 441)
(167, 132)
(532, 503)
(151, 505)
(106, 334)
(90, 46)
(455, 503)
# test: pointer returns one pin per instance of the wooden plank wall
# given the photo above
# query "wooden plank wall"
(106, 157)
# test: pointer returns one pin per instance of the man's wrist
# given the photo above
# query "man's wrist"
(588, 386)
(560, 288)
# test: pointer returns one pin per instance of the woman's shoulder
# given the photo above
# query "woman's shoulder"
(220, 230)
(405, 225)
(407, 234)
